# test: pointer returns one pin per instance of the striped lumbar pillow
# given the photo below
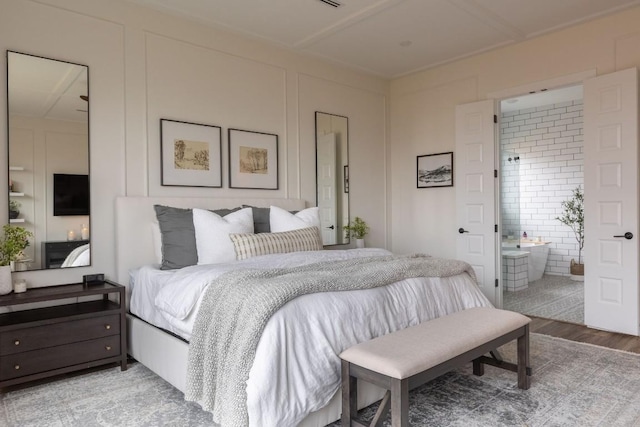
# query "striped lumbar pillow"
(248, 245)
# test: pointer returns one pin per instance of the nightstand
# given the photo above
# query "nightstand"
(43, 342)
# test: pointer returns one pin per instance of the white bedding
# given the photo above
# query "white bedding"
(297, 369)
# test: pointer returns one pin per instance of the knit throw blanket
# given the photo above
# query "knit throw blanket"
(237, 306)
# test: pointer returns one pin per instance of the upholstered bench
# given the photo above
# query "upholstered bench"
(403, 360)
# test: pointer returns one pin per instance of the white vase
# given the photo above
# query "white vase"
(359, 243)
(6, 286)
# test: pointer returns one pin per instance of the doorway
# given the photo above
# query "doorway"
(542, 166)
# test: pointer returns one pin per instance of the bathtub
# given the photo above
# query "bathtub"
(538, 253)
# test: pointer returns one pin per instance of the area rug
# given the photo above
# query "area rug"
(552, 297)
(573, 385)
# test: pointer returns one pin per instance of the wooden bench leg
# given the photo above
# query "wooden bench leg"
(399, 403)
(478, 367)
(524, 380)
(349, 395)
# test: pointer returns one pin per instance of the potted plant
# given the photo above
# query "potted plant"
(14, 209)
(13, 242)
(357, 228)
(573, 216)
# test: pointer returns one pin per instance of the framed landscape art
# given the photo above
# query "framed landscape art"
(190, 154)
(435, 170)
(253, 160)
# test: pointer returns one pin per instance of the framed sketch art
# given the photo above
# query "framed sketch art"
(435, 170)
(190, 154)
(253, 160)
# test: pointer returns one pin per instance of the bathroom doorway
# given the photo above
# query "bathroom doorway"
(541, 164)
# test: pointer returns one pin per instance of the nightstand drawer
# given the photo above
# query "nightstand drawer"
(21, 340)
(31, 362)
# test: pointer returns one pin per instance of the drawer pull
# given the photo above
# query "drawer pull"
(17, 367)
(17, 342)
(108, 348)
(107, 327)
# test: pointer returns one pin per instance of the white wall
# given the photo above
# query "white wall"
(144, 65)
(422, 109)
(549, 143)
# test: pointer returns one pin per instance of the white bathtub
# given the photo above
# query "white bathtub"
(538, 253)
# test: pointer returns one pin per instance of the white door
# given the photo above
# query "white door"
(611, 202)
(474, 166)
(327, 188)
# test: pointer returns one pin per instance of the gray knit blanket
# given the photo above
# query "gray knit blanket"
(237, 306)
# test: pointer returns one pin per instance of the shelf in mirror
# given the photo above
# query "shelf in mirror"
(14, 194)
(16, 168)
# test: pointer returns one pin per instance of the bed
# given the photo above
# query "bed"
(165, 350)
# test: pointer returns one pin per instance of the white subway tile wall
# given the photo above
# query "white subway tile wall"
(549, 142)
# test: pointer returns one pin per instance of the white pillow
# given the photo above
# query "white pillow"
(157, 241)
(212, 234)
(282, 220)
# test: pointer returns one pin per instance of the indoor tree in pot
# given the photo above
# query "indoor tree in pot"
(358, 229)
(573, 216)
(13, 242)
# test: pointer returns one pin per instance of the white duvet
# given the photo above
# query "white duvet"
(297, 369)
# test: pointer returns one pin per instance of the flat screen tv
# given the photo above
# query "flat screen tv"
(70, 194)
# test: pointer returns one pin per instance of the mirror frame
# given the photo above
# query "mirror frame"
(342, 177)
(37, 241)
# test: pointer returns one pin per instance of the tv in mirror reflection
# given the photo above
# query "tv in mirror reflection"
(70, 194)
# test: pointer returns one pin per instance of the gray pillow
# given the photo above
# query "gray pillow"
(179, 236)
(261, 221)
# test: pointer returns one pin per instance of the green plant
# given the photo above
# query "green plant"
(573, 216)
(356, 228)
(14, 205)
(12, 243)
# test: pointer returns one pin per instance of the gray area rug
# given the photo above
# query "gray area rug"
(552, 297)
(573, 385)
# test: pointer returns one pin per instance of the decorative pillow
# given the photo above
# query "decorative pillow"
(178, 236)
(212, 234)
(250, 245)
(282, 220)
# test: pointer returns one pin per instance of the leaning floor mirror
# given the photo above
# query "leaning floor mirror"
(48, 152)
(332, 176)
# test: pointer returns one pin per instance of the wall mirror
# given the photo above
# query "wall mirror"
(48, 152)
(332, 176)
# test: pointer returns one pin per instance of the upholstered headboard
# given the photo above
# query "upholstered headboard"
(134, 216)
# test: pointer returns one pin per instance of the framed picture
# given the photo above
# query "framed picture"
(346, 178)
(190, 154)
(435, 170)
(253, 160)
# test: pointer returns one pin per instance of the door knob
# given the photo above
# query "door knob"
(626, 235)
(462, 230)
(332, 227)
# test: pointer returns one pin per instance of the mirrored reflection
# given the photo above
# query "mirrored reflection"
(332, 176)
(48, 116)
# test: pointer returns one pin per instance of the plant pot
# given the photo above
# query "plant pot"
(576, 269)
(13, 214)
(6, 286)
(359, 243)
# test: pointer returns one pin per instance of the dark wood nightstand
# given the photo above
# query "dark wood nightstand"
(44, 342)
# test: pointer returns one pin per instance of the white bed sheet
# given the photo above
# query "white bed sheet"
(296, 369)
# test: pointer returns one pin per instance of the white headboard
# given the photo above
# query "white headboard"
(134, 216)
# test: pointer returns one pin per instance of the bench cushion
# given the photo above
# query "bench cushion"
(407, 352)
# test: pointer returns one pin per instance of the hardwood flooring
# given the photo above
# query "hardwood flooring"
(581, 333)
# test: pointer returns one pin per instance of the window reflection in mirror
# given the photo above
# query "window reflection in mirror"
(332, 176)
(48, 118)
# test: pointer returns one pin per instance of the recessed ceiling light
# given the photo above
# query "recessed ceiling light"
(511, 101)
(405, 43)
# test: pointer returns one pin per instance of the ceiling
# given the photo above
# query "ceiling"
(46, 88)
(543, 98)
(391, 38)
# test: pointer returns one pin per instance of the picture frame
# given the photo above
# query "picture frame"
(190, 154)
(435, 170)
(253, 160)
(346, 178)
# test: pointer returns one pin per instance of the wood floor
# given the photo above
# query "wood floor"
(581, 333)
